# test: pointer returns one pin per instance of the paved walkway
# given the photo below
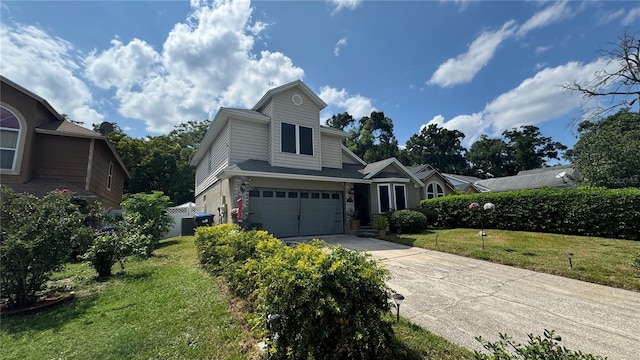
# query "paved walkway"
(460, 298)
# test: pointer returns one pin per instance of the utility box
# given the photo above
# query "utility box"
(203, 220)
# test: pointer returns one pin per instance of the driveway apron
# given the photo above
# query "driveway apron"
(460, 298)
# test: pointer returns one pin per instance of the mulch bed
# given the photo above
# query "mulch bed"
(41, 305)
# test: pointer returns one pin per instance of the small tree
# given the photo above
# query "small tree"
(113, 245)
(38, 235)
(148, 215)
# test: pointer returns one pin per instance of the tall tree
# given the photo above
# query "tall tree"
(619, 80)
(607, 152)
(340, 121)
(161, 163)
(521, 148)
(373, 139)
(529, 149)
(490, 157)
(439, 147)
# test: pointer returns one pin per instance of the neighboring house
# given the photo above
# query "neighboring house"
(465, 184)
(436, 184)
(289, 174)
(560, 176)
(40, 151)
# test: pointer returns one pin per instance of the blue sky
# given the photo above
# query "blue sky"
(478, 67)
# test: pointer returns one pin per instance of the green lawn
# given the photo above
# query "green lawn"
(161, 308)
(597, 260)
(165, 307)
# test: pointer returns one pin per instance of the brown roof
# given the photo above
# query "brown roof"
(41, 187)
(69, 128)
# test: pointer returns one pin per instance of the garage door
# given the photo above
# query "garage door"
(287, 213)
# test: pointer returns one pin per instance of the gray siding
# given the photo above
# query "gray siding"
(331, 152)
(307, 114)
(217, 158)
(248, 141)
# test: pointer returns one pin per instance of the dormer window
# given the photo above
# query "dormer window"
(296, 139)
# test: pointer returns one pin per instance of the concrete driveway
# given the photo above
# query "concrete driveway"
(460, 298)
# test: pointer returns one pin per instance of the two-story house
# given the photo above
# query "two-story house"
(41, 151)
(291, 175)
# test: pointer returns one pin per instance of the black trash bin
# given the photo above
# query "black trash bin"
(203, 220)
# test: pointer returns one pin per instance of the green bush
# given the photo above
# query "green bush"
(331, 302)
(611, 213)
(147, 214)
(537, 348)
(38, 236)
(114, 246)
(380, 223)
(407, 221)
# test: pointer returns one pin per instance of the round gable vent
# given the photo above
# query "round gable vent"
(296, 99)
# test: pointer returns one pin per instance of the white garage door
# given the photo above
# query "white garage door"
(287, 213)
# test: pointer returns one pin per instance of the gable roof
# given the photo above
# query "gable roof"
(352, 155)
(300, 85)
(376, 168)
(63, 127)
(33, 96)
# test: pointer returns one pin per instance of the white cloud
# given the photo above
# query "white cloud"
(632, 16)
(608, 16)
(47, 66)
(542, 49)
(206, 62)
(463, 68)
(536, 100)
(339, 45)
(344, 4)
(553, 13)
(340, 101)
(121, 66)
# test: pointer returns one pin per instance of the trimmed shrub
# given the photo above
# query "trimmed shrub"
(611, 213)
(331, 301)
(114, 246)
(407, 221)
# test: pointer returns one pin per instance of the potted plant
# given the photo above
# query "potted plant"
(354, 221)
(380, 224)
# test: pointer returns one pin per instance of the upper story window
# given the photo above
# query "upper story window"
(434, 190)
(9, 139)
(296, 139)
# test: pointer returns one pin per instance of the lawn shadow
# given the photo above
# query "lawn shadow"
(53, 318)
(164, 244)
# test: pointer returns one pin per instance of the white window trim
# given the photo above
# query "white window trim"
(404, 189)
(435, 190)
(22, 138)
(297, 139)
(388, 194)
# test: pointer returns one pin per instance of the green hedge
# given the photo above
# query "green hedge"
(407, 221)
(612, 213)
(332, 302)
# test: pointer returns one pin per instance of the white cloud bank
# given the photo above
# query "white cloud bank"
(463, 68)
(536, 100)
(205, 62)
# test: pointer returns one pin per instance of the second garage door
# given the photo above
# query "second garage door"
(287, 213)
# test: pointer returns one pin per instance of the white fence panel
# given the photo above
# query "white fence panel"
(188, 210)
